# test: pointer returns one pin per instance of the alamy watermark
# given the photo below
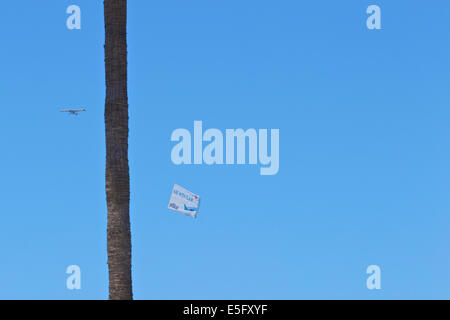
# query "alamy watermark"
(374, 20)
(74, 280)
(74, 20)
(213, 153)
(374, 280)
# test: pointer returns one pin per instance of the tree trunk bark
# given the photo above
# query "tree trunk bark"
(116, 133)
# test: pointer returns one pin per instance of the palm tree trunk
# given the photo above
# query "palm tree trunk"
(117, 170)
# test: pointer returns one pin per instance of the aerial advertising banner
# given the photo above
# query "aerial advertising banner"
(184, 201)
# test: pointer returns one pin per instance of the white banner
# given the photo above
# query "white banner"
(184, 201)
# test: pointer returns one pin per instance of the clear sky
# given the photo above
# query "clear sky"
(364, 174)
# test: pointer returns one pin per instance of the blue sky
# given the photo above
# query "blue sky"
(364, 149)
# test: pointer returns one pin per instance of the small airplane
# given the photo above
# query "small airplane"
(189, 208)
(74, 112)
